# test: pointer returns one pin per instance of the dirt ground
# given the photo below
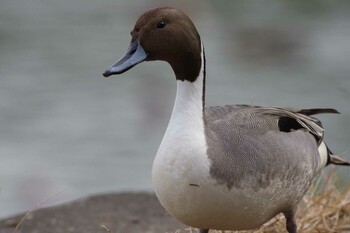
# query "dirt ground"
(120, 212)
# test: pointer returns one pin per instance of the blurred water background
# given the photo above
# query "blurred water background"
(64, 127)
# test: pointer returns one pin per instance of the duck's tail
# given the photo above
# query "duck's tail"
(331, 158)
(336, 160)
(327, 157)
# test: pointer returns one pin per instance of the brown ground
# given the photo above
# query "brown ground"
(121, 213)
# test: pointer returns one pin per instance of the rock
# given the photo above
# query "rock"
(120, 213)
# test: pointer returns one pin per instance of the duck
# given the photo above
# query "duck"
(231, 167)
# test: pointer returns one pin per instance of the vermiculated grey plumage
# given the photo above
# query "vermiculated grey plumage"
(250, 136)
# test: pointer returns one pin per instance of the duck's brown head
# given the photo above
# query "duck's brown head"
(165, 34)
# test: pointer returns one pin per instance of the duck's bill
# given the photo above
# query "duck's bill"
(133, 56)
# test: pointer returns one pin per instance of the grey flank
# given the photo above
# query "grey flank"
(248, 149)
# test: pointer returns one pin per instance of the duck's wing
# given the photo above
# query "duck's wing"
(285, 119)
(264, 141)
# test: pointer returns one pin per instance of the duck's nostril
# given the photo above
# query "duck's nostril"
(132, 51)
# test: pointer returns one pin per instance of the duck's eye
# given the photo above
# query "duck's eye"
(161, 24)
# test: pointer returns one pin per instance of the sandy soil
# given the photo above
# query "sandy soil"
(121, 213)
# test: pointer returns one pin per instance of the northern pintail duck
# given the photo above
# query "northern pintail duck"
(227, 168)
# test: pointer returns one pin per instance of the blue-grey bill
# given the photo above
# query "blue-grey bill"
(133, 56)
